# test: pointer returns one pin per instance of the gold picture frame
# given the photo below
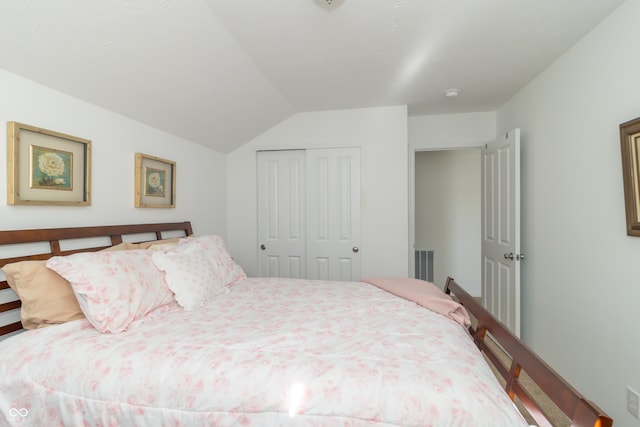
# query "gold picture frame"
(630, 148)
(155, 182)
(45, 167)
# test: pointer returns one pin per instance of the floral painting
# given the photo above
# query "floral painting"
(155, 182)
(51, 169)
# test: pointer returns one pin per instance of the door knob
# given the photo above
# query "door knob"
(509, 256)
(355, 250)
(263, 247)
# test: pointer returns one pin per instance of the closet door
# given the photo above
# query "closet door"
(333, 214)
(309, 213)
(281, 213)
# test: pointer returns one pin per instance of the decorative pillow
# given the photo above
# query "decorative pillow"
(114, 288)
(189, 274)
(47, 299)
(215, 250)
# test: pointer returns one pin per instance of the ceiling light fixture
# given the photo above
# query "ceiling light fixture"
(451, 93)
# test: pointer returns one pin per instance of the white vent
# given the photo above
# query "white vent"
(424, 264)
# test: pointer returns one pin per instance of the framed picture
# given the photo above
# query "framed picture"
(630, 145)
(155, 182)
(46, 167)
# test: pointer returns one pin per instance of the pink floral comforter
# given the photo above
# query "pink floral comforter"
(272, 352)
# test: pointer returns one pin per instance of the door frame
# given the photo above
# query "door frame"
(412, 192)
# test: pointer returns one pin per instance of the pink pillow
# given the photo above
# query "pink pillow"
(114, 288)
(190, 274)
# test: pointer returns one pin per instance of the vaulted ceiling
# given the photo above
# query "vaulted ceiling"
(219, 73)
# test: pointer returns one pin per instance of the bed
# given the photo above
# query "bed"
(249, 351)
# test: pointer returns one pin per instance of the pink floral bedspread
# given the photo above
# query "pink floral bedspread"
(272, 352)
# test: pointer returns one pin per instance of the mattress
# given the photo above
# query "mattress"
(270, 352)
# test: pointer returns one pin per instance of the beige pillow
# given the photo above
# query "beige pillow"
(157, 244)
(124, 246)
(47, 298)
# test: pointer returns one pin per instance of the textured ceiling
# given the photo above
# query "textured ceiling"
(219, 73)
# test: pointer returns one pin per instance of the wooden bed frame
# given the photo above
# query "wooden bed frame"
(55, 239)
(579, 411)
(511, 360)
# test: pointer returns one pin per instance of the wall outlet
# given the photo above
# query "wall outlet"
(633, 402)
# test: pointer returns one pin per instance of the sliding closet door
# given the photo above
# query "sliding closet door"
(333, 214)
(281, 213)
(309, 213)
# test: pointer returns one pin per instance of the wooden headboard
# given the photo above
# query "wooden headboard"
(42, 244)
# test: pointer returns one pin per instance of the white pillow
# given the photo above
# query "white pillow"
(114, 288)
(190, 274)
(215, 250)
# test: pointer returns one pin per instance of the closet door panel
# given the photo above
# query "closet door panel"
(281, 213)
(333, 214)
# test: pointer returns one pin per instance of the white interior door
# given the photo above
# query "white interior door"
(309, 213)
(281, 213)
(333, 214)
(501, 254)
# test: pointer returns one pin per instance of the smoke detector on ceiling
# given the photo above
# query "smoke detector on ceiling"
(451, 93)
(328, 4)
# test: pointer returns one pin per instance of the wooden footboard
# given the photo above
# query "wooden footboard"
(53, 243)
(513, 360)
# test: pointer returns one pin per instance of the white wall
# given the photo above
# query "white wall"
(382, 135)
(448, 203)
(447, 131)
(200, 172)
(581, 276)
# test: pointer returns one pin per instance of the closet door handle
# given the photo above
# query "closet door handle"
(263, 247)
(355, 250)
